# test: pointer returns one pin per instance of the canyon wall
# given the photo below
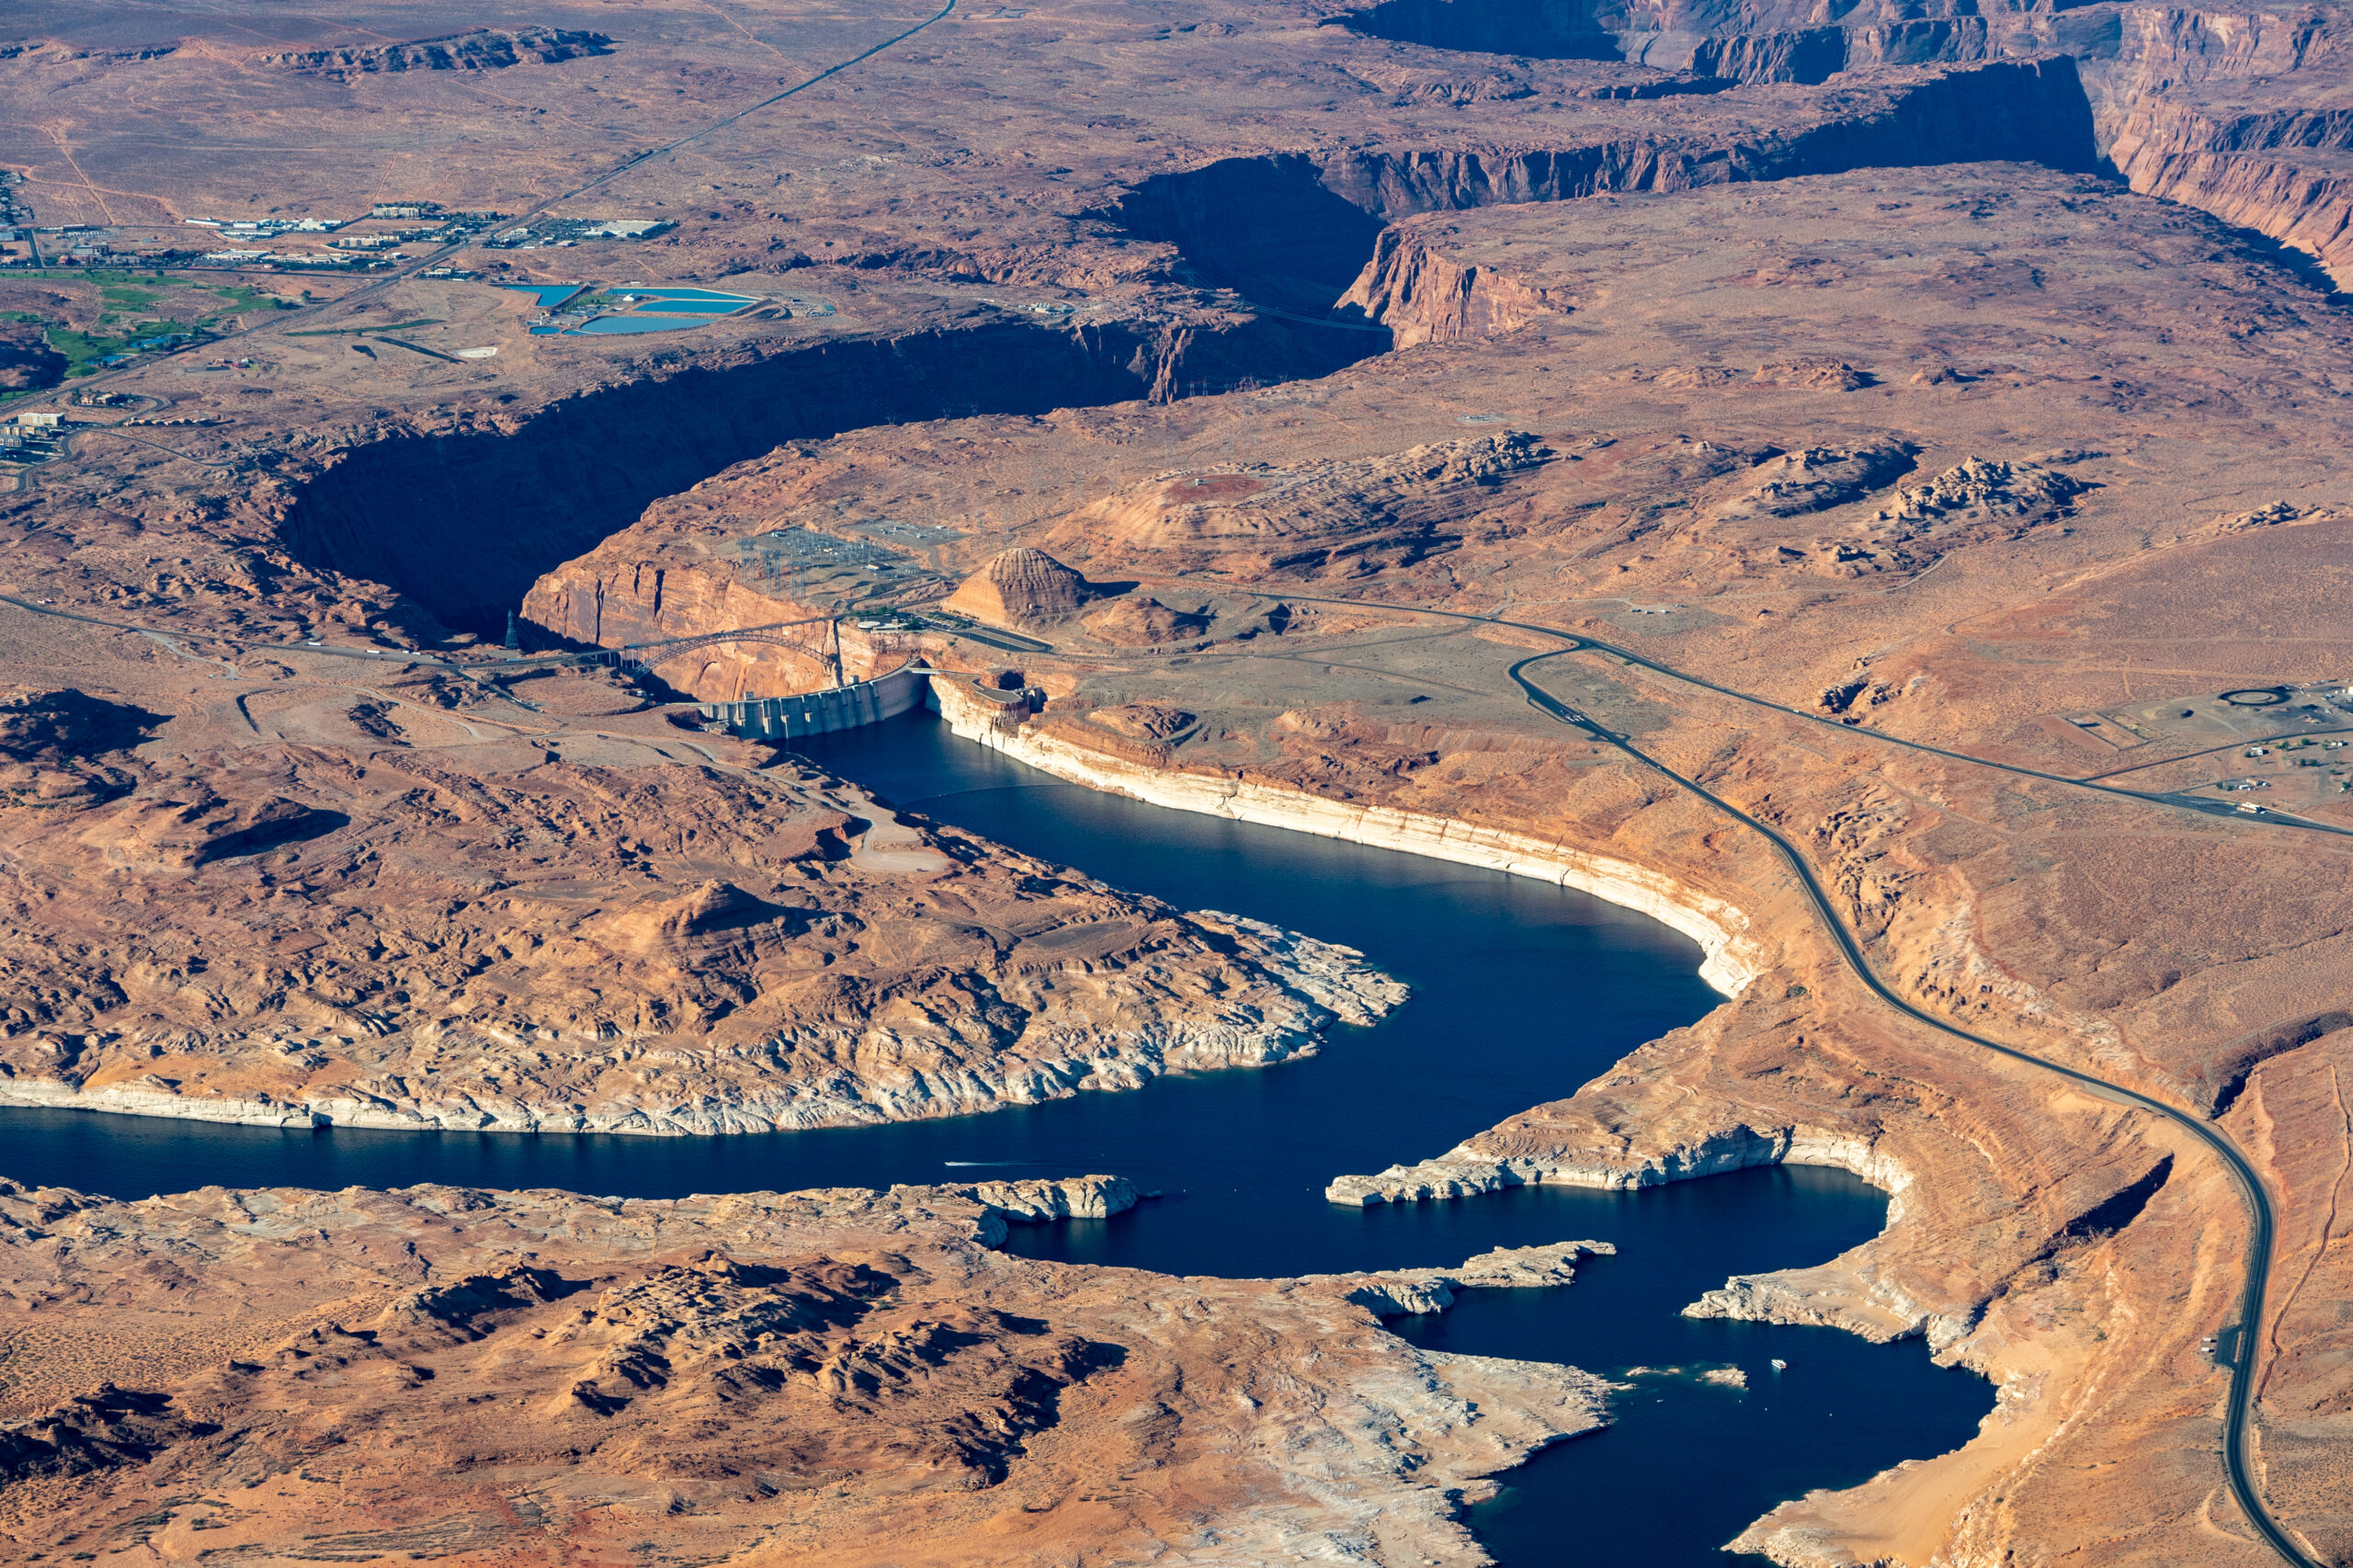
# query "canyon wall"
(2217, 109)
(1735, 43)
(597, 601)
(464, 520)
(1298, 231)
(1732, 957)
(2281, 174)
(2209, 108)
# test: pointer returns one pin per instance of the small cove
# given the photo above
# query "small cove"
(1521, 991)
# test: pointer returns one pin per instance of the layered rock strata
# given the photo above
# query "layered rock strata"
(299, 936)
(1408, 1291)
(1019, 588)
(2017, 466)
(787, 1376)
(2003, 327)
(1720, 927)
(367, 485)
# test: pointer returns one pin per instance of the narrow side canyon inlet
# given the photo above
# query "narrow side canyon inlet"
(1521, 991)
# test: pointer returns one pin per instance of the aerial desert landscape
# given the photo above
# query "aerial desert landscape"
(634, 632)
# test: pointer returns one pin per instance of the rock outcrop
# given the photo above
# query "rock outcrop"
(1407, 1292)
(1332, 519)
(1991, 489)
(477, 49)
(1077, 1197)
(383, 940)
(803, 1372)
(1143, 622)
(1816, 479)
(1470, 1169)
(1021, 587)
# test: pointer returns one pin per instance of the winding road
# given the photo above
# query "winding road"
(2240, 1338)
(1579, 642)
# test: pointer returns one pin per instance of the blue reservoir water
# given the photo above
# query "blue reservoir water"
(603, 324)
(682, 294)
(691, 307)
(549, 295)
(1521, 993)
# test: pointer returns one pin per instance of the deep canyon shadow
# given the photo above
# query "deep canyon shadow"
(1295, 232)
(464, 521)
(1730, 43)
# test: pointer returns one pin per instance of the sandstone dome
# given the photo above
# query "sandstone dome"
(1135, 623)
(1020, 586)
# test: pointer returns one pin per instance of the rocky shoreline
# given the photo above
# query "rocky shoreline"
(1466, 1170)
(1717, 1098)
(760, 1369)
(702, 1091)
(1721, 928)
(298, 937)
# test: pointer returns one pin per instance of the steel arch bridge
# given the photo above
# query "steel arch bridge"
(817, 647)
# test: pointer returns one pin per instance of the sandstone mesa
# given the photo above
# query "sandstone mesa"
(1904, 428)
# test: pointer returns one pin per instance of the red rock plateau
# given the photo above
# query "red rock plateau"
(456, 1375)
(1894, 434)
(528, 950)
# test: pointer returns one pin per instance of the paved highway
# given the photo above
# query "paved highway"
(1579, 642)
(436, 257)
(2243, 1337)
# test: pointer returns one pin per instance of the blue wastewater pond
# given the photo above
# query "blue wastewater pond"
(548, 295)
(1521, 991)
(709, 295)
(602, 325)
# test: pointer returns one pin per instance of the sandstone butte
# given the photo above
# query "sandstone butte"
(1939, 411)
(1021, 587)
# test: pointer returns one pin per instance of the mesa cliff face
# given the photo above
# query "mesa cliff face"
(2269, 171)
(2238, 112)
(1423, 297)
